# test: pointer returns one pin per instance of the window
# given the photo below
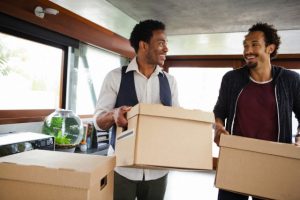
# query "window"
(33, 70)
(199, 89)
(30, 74)
(88, 69)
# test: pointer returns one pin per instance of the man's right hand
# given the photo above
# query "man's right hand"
(119, 115)
(219, 129)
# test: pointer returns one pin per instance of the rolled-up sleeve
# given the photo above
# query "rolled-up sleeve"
(108, 94)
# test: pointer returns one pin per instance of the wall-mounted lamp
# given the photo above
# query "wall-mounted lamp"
(40, 12)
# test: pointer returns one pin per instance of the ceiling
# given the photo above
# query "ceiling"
(213, 16)
(197, 27)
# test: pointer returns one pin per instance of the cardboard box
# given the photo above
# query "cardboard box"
(50, 175)
(166, 137)
(259, 168)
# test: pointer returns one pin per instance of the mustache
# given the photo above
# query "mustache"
(250, 54)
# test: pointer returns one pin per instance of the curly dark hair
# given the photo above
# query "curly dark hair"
(143, 31)
(271, 36)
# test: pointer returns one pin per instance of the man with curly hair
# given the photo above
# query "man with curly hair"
(142, 81)
(257, 100)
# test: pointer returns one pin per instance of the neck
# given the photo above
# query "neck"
(261, 73)
(145, 68)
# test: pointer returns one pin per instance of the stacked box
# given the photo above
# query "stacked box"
(48, 175)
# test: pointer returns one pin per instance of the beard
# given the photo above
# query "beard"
(151, 59)
(251, 65)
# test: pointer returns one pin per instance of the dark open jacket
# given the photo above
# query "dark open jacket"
(287, 93)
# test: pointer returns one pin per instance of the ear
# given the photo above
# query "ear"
(271, 48)
(143, 45)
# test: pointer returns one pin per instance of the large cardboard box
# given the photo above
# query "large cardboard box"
(259, 168)
(50, 175)
(166, 137)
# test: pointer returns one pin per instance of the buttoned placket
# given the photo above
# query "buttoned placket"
(148, 94)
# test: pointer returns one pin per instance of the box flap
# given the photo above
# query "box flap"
(56, 168)
(263, 146)
(171, 112)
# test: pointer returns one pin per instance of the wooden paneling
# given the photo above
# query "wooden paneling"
(291, 61)
(21, 116)
(68, 23)
(204, 61)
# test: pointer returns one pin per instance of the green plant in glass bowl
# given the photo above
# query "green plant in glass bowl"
(66, 127)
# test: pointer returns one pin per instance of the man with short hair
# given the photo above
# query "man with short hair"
(257, 100)
(142, 81)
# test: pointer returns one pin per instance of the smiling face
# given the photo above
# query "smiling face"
(157, 49)
(256, 52)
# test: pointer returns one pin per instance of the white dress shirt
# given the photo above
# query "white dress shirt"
(147, 90)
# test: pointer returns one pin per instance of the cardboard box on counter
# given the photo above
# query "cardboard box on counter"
(166, 137)
(259, 168)
(48, 175)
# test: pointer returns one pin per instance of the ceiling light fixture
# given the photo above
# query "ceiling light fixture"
(40, 12)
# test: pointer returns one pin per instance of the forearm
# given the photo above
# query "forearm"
(219, 129)
(219, 121)
(106, 120)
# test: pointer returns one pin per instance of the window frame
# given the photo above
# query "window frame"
(15, 27)
(67, 24)
(289, 61)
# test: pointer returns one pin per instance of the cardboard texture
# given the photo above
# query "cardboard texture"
(166, 137)
(48, 175)
(259, 168)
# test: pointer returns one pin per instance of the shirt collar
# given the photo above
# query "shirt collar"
(133, 66)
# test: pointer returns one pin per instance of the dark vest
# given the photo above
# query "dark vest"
(127, 94)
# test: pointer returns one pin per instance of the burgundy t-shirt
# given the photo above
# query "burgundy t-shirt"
(256, 114)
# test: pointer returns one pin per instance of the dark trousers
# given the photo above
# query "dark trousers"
(125, 189)
(226, 195)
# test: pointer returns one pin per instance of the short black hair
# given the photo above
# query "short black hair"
(271, 36)
(143, 31)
